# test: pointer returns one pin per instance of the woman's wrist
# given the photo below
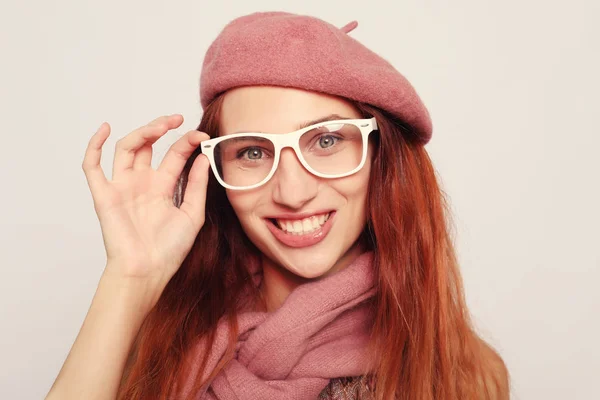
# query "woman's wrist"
(133, 295)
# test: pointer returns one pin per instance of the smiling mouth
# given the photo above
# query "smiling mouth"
(303, 226)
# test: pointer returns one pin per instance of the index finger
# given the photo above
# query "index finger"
(91, 161)
(180, 152)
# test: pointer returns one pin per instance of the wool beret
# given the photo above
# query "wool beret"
(284, 49)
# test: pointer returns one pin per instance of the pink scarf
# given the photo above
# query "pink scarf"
(319, 333)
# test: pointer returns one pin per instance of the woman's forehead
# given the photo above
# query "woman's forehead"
(273, 109)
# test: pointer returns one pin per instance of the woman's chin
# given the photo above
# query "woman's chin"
(309, 267)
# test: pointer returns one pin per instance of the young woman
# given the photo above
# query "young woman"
(313, 262)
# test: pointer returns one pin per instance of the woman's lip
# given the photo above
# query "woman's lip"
(305, 240)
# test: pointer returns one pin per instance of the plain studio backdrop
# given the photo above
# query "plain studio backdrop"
(512, 88)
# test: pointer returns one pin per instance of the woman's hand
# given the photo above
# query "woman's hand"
(146, 237)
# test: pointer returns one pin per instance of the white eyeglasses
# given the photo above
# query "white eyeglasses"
(330, 149)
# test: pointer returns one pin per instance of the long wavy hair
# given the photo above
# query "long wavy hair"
(423, 341)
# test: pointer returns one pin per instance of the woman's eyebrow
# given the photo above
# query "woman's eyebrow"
(330, 117)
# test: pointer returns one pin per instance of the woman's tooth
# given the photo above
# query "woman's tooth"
(297, 226)
(307, 225)
(315, 222)
(300, 227)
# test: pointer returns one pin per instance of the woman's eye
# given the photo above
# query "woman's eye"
(252, 153)
(326, 141)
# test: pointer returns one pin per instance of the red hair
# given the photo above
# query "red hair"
(432, 352)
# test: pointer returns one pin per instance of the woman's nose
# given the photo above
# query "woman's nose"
(294, 186)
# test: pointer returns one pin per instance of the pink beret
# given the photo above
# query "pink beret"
(291, 50)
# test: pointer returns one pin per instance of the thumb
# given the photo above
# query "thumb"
(194, 197)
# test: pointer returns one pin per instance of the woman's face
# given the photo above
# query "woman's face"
(294, 194)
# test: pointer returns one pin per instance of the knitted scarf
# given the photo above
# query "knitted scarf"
(320, 332)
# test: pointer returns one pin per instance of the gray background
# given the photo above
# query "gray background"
(512, 87)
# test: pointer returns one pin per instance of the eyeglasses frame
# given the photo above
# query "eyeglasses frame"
(291, 139)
